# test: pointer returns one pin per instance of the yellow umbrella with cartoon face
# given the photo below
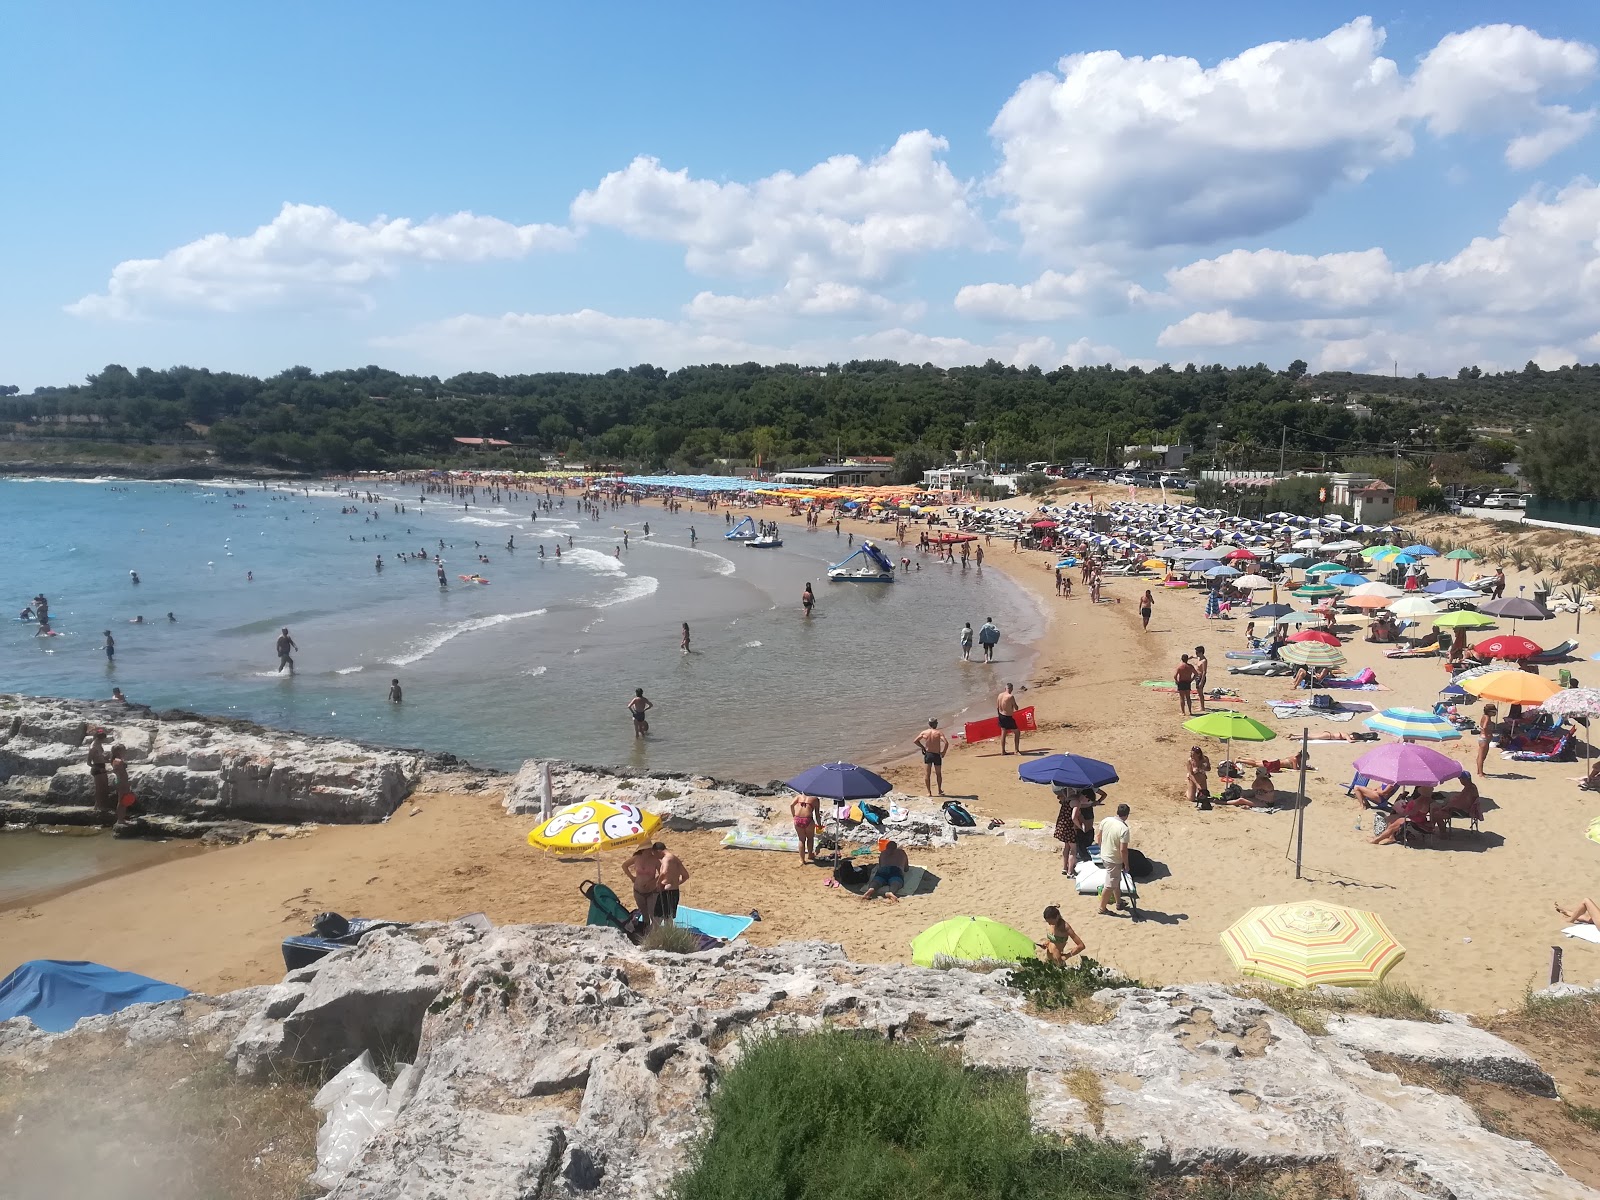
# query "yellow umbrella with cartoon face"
(593, 825)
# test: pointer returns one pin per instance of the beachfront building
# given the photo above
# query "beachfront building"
(952, 479)
(1161, 458)
(1373, 504)
(844, 474)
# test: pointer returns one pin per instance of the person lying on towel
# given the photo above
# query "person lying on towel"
(889, 874)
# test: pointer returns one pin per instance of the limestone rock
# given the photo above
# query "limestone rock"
(1451, 1045)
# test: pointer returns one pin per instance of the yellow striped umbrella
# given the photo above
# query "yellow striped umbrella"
(1307, 943)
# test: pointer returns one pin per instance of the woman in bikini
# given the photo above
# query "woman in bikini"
(1486, 732)
(1585, 912)
(804, 811)
(1056, 942)
(1198, 769)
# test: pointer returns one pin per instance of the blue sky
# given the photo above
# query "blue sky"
(519, 187)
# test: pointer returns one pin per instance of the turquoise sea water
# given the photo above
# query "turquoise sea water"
(541, 661)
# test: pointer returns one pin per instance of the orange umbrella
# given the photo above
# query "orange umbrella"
(1367, 601)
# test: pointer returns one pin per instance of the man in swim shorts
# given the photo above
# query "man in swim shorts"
(804, 811)
(285, 647)
(638, 706)
(1006, 709)
(890, 873)
(1183, 678)
(934, 746)
(111, 646)
(671, 874)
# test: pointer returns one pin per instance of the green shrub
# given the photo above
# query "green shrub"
(674, 939)
(1051, 985)
(840, 1116)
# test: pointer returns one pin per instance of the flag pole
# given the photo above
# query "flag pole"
(1300, 801)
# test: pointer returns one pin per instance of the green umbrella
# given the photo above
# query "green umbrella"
(970, 939)
(1315, 591)
(1464, 554)
(1325, 569)
(1463, 620)
(1374, 551)
(1230, 727)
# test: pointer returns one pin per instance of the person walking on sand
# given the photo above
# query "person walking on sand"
(1006, 708)
(671, 874)
(638, 706)
(643, 870)
(934, 746)
(1147, 604)
(1202, 668)
(966, 642)
(286, 646)
(1184, 678)
(684, 643)
(803, 810)
(988, 638)
(1114, 855)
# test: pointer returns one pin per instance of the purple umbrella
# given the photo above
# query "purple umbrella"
(840, 781)
(1408, 765)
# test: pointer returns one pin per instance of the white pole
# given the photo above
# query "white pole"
(1300, 801)
(545, 798)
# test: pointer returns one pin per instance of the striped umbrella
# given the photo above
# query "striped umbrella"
(1413, 723)
(1325, 568)
(1312, 654)
(1307, 943)
(1372, 552)
(1315, 591)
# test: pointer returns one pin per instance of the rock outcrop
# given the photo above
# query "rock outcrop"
(561, 1062)
(196, 770)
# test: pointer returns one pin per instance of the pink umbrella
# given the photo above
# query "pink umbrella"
(1239, 555)
(1408, 765)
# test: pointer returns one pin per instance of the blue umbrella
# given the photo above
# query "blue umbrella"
(1442, 585)
(1399, 560)
(1348, 579)
(1204, 564)
(1068, 770)
(1220, 572)
(840, 781)
(1272, 610)
(1420, 551)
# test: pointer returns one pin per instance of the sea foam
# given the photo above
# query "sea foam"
(424, 646)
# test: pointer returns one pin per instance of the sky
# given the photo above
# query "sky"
(520, 187)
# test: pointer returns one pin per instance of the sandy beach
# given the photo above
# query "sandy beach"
(1474, 910)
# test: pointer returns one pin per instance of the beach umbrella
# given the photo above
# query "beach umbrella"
(1068, 770)
(1376, 551)
(1229, 727)
(1457, 593)
(1407, 765)
(1045, 523)
(1252, 583)
(1593, 833)
(1193, 554)
(1272, 610)
(1154, 564)
(1507, 645)
(1240, 554)
(1461, 554)
(1516, 608)
(1413, 723)
(1313, 654)
(970, 939)
(1315, 591)
(1292, 560)
(1415, 606)
(1439, 586)
(1309, 543)
(1573, 702)
(1420, 551)
(1302, 618)
(1202, 565)
(1463, 620)
(1510, 687)
(1340, 547)
(840, 781)
(593, 825)
(1326, 568)
(1348, 579)
(1377, 588)
(1357, 599)
(1314, 635)
(1308, 943)
(1223, 572)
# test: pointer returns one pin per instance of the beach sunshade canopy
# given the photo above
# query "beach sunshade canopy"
(1221, 572)
(594, 825)
(840, 781)
(1511, 687)
(1230, 727)
(1345, 579)
(1239, 554)
(1408, 765)
(1463, 620)
(1356, 600)
(1413, 723)
(1414, 606)
(1420, 551)
(970, 939)
(1292, 560)
(1573, 702)
(1463, 554)
(1155, 564)
(1315, 591)
(1516, 608)
(1379, 551)
(1044, 523)
(1508, 646)
(1068, 770)
(1301, 618)
(1252, 583)
(1326, 568)
(56, 994)
(1376, 588)
(1272, 610)
(1310, 943)
(1312, 654)
(1314, 635)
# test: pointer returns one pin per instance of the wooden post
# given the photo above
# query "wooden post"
(1300, 801)
(1555, 964)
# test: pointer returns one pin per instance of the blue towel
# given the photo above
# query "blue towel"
(713, 924)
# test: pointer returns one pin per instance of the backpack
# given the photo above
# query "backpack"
(1322, 701)
(849, 874)
(1138, 864)
(957, 815)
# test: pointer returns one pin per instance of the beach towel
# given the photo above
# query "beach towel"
(1247, 654)
(1291, 708)
(1430, 652)
(746, 839)
(1584, 931)
(713, 924)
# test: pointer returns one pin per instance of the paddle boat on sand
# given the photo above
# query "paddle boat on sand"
(875, 566)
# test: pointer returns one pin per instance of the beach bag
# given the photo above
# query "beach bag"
(849, 874)
(1322, 702)
(957, 815)
(1231, 793)
(331, 925)
(1138, 864)
(875, 813)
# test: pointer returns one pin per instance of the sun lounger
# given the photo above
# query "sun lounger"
(1555, 654)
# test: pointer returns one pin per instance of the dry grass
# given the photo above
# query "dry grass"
(1086, 1086)
(1309, 1008)
(161, 1122)
(1324, 1181)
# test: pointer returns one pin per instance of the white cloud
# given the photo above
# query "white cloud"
(590, 340)
(842, 218)
(1535, 284)
(1054, 295)
(1145, 152)
(801, 298)
(307, 256)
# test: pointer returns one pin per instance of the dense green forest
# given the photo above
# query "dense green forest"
(698, 417)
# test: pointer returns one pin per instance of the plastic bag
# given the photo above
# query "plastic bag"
(357, 1105)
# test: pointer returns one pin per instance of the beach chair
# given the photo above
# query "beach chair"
(607, 910)
(1555, 654)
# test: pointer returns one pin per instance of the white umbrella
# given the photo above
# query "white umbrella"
(1388, 591)
(1341, 547)
(1414, 606)
(1252, 583)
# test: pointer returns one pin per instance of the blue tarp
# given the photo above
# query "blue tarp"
(56, 995)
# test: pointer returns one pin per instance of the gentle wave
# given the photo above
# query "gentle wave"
(348, 670)
(605, 563)
(751, 645)
(423, 647)
(636, 588)
(486, 521)
(535, 672)
(723, 566)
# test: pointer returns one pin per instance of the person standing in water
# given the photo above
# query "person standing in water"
(966, 642)
(111, 648)
(396, 696)
(638, 706)
(684, 644)
(286, 646)
(808, 599)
